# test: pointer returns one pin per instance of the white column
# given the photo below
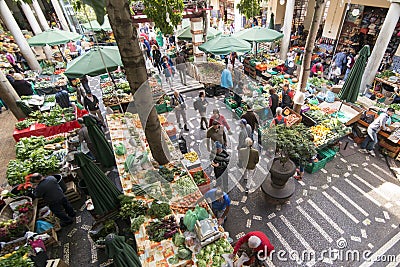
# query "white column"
(40, 15)
(19, 38)
(60, 15)
(381, 44)
(287, 28)
(35, 26)
(238, 17)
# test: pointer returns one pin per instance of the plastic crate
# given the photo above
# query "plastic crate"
(316, 166)
(328, 153)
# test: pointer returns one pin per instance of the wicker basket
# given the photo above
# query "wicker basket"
(7, 212)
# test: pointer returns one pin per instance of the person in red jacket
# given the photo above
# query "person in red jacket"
(257, 242)
(221, 119)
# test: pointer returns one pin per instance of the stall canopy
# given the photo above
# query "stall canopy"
(186, 35)
(351, 87)
(103, 192)
(225, 44)
(259, 34)
(121, 252)
(93, 25)
(53, 37)
(272, 22)
(92, 64)
(102, 146)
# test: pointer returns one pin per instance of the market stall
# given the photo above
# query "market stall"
(160, 200)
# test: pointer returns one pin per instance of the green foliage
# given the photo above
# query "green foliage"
(249, 8)
(156, 10)
(99, 7)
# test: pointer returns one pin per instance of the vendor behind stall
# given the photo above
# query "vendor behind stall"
(287, 96)
(279, 118)
(378, 124)
(22, 86)
(317, 70)
(220, 203)
(62, 98)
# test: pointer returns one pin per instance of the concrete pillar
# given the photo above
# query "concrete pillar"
(35, 26)
(19, 38)
(287, 28)
(309, 14)
(381, 44)
(238, 17)
(10, 97)
(196, 27)
(60, 15)
(334, 19)
(40, 15)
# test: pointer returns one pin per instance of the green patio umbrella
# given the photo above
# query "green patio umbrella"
(186, 35)
(123, 254)
(100, 143)
(91, 63)
(225, 44)
(93, 25)
(53, 37)
(351, 86)
(103, 192)
(259, 34)
(272, 22)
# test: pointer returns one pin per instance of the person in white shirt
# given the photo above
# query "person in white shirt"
(367, 146)
(298, 101)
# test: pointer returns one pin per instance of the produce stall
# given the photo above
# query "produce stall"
(57, 120)
(160, 200)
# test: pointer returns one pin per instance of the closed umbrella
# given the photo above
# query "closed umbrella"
(186, 35)
(93, 25)
(272, 22)
(351, 86)
(102, 146)
(259, 34)
(103, 192)
(53, 37)
(123, 254)
(225, 44)
(91, 63)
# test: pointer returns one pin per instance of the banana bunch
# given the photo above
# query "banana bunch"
(191, 156)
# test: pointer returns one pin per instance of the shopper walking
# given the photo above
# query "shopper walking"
(255, 244)
(201, 105)
(340, 61)
(91, 103)
(216, 133)
(380, 123)
(244, 133)
(220, 160)
(181, 67)
(221, 119)
(251, 119)
(168, 69)
(178, 103)
(49, 189)
(248, 159)
(156, 56)
(273, 101)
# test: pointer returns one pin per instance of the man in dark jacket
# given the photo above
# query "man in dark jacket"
(287, 96)
(62, 98)
(220, 160)
(181, 67)
(49, 189)
(251, 119)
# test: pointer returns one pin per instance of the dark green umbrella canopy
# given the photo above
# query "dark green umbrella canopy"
(351, 86)
(53, 37)
(225, 44)
(96, 27)
(103, 148)
(259, 34)
(272, 22)
(185, 34)
(123, 254)
(91, 63)
(103, 192)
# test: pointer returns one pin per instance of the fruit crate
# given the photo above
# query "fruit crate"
(316, 166)
(328, 153)
(203, 187)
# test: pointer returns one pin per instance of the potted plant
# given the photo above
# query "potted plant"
(292, 144)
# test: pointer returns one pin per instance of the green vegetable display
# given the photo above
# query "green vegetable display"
(18, 258)
(318, 82)
(137, 222)
(160, 230)
(178, 239)
(199, 178)
(27, 145)
(185, 186)
(167, 174)
(159, 209)
(385, 74)
(131, 208)
(184, 253)
(24, 124)
(120, 149)
(213, 252)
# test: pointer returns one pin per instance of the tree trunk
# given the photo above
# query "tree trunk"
(312, 35)
(10, 97)
(126, 36)
(19, 38)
